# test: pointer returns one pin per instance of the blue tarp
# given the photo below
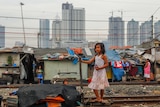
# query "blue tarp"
(71, 52)
(118, 73)
(75, 61)
(112, 55)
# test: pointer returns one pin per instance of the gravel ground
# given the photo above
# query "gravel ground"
(131, 90)
(5, 92)
(125, 90)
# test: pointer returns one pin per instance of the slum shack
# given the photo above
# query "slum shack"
(152, 52)
(60, 63)
(136, 57)
(16, 65)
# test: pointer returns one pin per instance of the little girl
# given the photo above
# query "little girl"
(99, 80)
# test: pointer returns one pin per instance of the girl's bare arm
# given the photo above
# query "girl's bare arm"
(146, 65)
(89, 61)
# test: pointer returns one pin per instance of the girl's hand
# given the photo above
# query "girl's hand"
(81, 61)
(97, 68)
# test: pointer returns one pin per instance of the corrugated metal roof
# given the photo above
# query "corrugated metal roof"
(88, 51)
(43, 51)
(88, 56)
(149, 56)
(38, 52)
(12, 50)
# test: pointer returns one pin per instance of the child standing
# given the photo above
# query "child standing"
(147, 69)
(99, 80)
(39, 72)
(65, 82)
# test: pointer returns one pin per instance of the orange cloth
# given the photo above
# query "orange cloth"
(77, 50)
(54, 101)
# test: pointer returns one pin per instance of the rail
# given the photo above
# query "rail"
(116, 101)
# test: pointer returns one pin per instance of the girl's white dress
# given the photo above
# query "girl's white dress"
(99, 79)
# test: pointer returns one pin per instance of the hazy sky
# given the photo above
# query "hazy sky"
(97, 14)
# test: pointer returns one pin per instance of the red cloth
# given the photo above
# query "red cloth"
(133, 71)
(89, 80)
(118, 64)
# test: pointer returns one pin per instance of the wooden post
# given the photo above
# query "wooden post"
(80, 71)
(81, 82)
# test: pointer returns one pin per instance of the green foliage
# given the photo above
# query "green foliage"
(10, 60)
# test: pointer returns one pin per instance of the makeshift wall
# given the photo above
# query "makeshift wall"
(3, 62)
(157, 72)
(4, 56)
(52, 68)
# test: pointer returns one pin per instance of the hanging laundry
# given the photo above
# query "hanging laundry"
(118, 64)
(118, 70)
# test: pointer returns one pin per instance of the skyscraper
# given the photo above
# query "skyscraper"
(145, 31)
(133, 33)
(78, 24)
(56, 32)
(2, 36)
(44, 36)
(157, 29)
(73, 23)
(116, 31)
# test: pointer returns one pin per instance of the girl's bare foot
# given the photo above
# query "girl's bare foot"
(102, 101)
(96, 100)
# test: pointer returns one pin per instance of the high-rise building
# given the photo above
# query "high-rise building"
(73, 23)
(133, 33)
(157, 30)
(78, 24)
(56, 32)
(116, 32)
(44, 34)
(2, 36)
(145, 31)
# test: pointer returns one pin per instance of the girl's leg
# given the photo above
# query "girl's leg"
(41, 81)
(97, 95)
(102, 93)
(147, 79)
(38, 81)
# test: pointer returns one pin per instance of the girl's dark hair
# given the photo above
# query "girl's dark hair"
(102, 47)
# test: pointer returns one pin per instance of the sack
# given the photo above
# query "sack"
(151, 76)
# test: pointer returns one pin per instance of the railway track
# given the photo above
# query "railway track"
(77, 83)
(117, 101)
(114, 101)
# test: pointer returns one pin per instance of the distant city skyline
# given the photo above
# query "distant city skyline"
(97, 14)
(2, 36)
(145, 31)
(133, 36)
(157, 29)
(70, 30)
(44, 34)
(116, 36)
(56, 32)
(73, 23)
